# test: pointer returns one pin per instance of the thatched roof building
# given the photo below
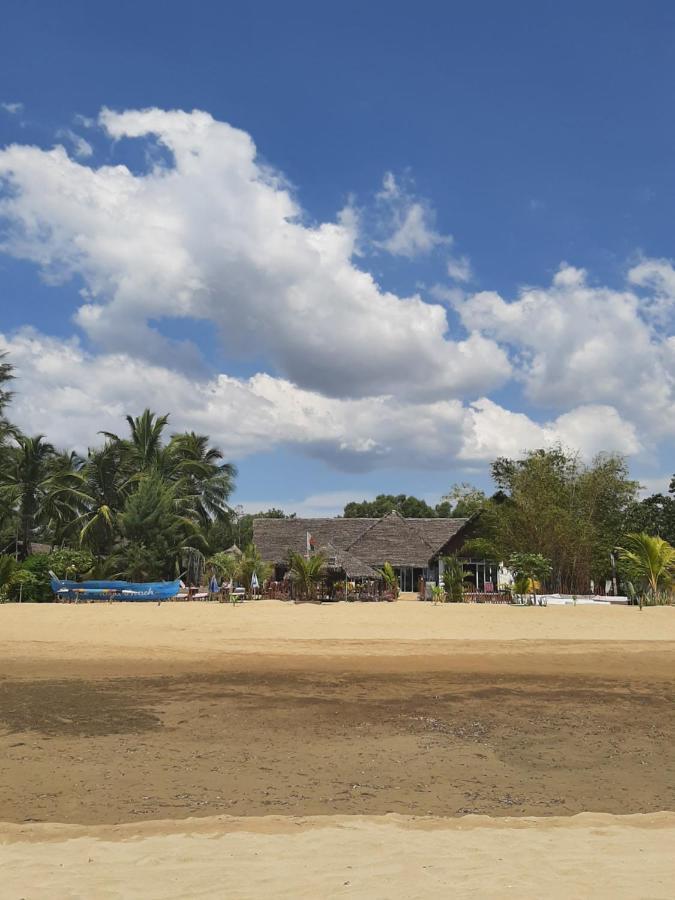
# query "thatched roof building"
(363, 545)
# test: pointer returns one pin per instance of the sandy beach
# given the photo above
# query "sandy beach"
(384, 750)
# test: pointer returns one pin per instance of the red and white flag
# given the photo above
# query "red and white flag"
(311, 546)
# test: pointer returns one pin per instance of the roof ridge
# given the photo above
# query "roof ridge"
(364, 532)
(395, 514)
(409, 523)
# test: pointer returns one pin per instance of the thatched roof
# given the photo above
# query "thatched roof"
(395, 540)
(344, 561)
(402, 542)
(39, 548)
(234, 551)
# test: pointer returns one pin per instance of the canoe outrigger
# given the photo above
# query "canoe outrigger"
(114, 590)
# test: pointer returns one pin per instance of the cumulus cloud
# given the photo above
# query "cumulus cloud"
(657, 276)
(362, 377)
(66, 392)
(495, 431)
(218, 236)
(573, 343)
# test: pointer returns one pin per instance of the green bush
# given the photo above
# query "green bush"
(32, 581)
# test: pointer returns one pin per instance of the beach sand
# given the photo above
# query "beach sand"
(379, 751)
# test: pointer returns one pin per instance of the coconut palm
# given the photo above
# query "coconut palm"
(649, 561)
(143, 449)
(203, 482)
(225, 565)
(25, 483)
(306, 572)
(6, 375)
(104, 488)
(63, 502)
(154, 538)
(249, 563)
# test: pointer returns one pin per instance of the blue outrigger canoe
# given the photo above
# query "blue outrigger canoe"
(115, 590)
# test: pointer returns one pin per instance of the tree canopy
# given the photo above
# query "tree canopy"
(462, 500)
(551, 503)
(141, 505)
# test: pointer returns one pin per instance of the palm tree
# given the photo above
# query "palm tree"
(6, 375)
(25, 484)
(306, 573)
(650, 561)
(225, 565)
(63, 503)
(203, 481)
(249, 563)
(453, 579)
(154, 538)
(390, 578)
(104, 488)
(143, 449)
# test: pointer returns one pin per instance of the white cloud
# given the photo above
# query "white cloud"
(495, 431)
(14, 109)
(459, 268)
(575, 344)
(219, 237)
(70, 394)
(657, 276)
(409, 221)
(324, 505)
(363, 377)
(81, 147)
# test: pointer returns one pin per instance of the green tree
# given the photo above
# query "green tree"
(653, 515)
(103, 491)
(154, 536)
(8, 566)
(251, 562)
(62, 504)
(203, 481)
(233, 529)
(26, 586)
(306, 573)
(461, 501)
(25, 484)
(552, 504)
(6, 377)
(649, 561)
(144, 449)
(453, 579)
(407, 506)
(390, 578)
(529, 570)
(225, 566)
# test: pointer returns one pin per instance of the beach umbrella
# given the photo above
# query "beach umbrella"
(254, 581)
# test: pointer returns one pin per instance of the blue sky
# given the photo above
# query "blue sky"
(467, 150)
